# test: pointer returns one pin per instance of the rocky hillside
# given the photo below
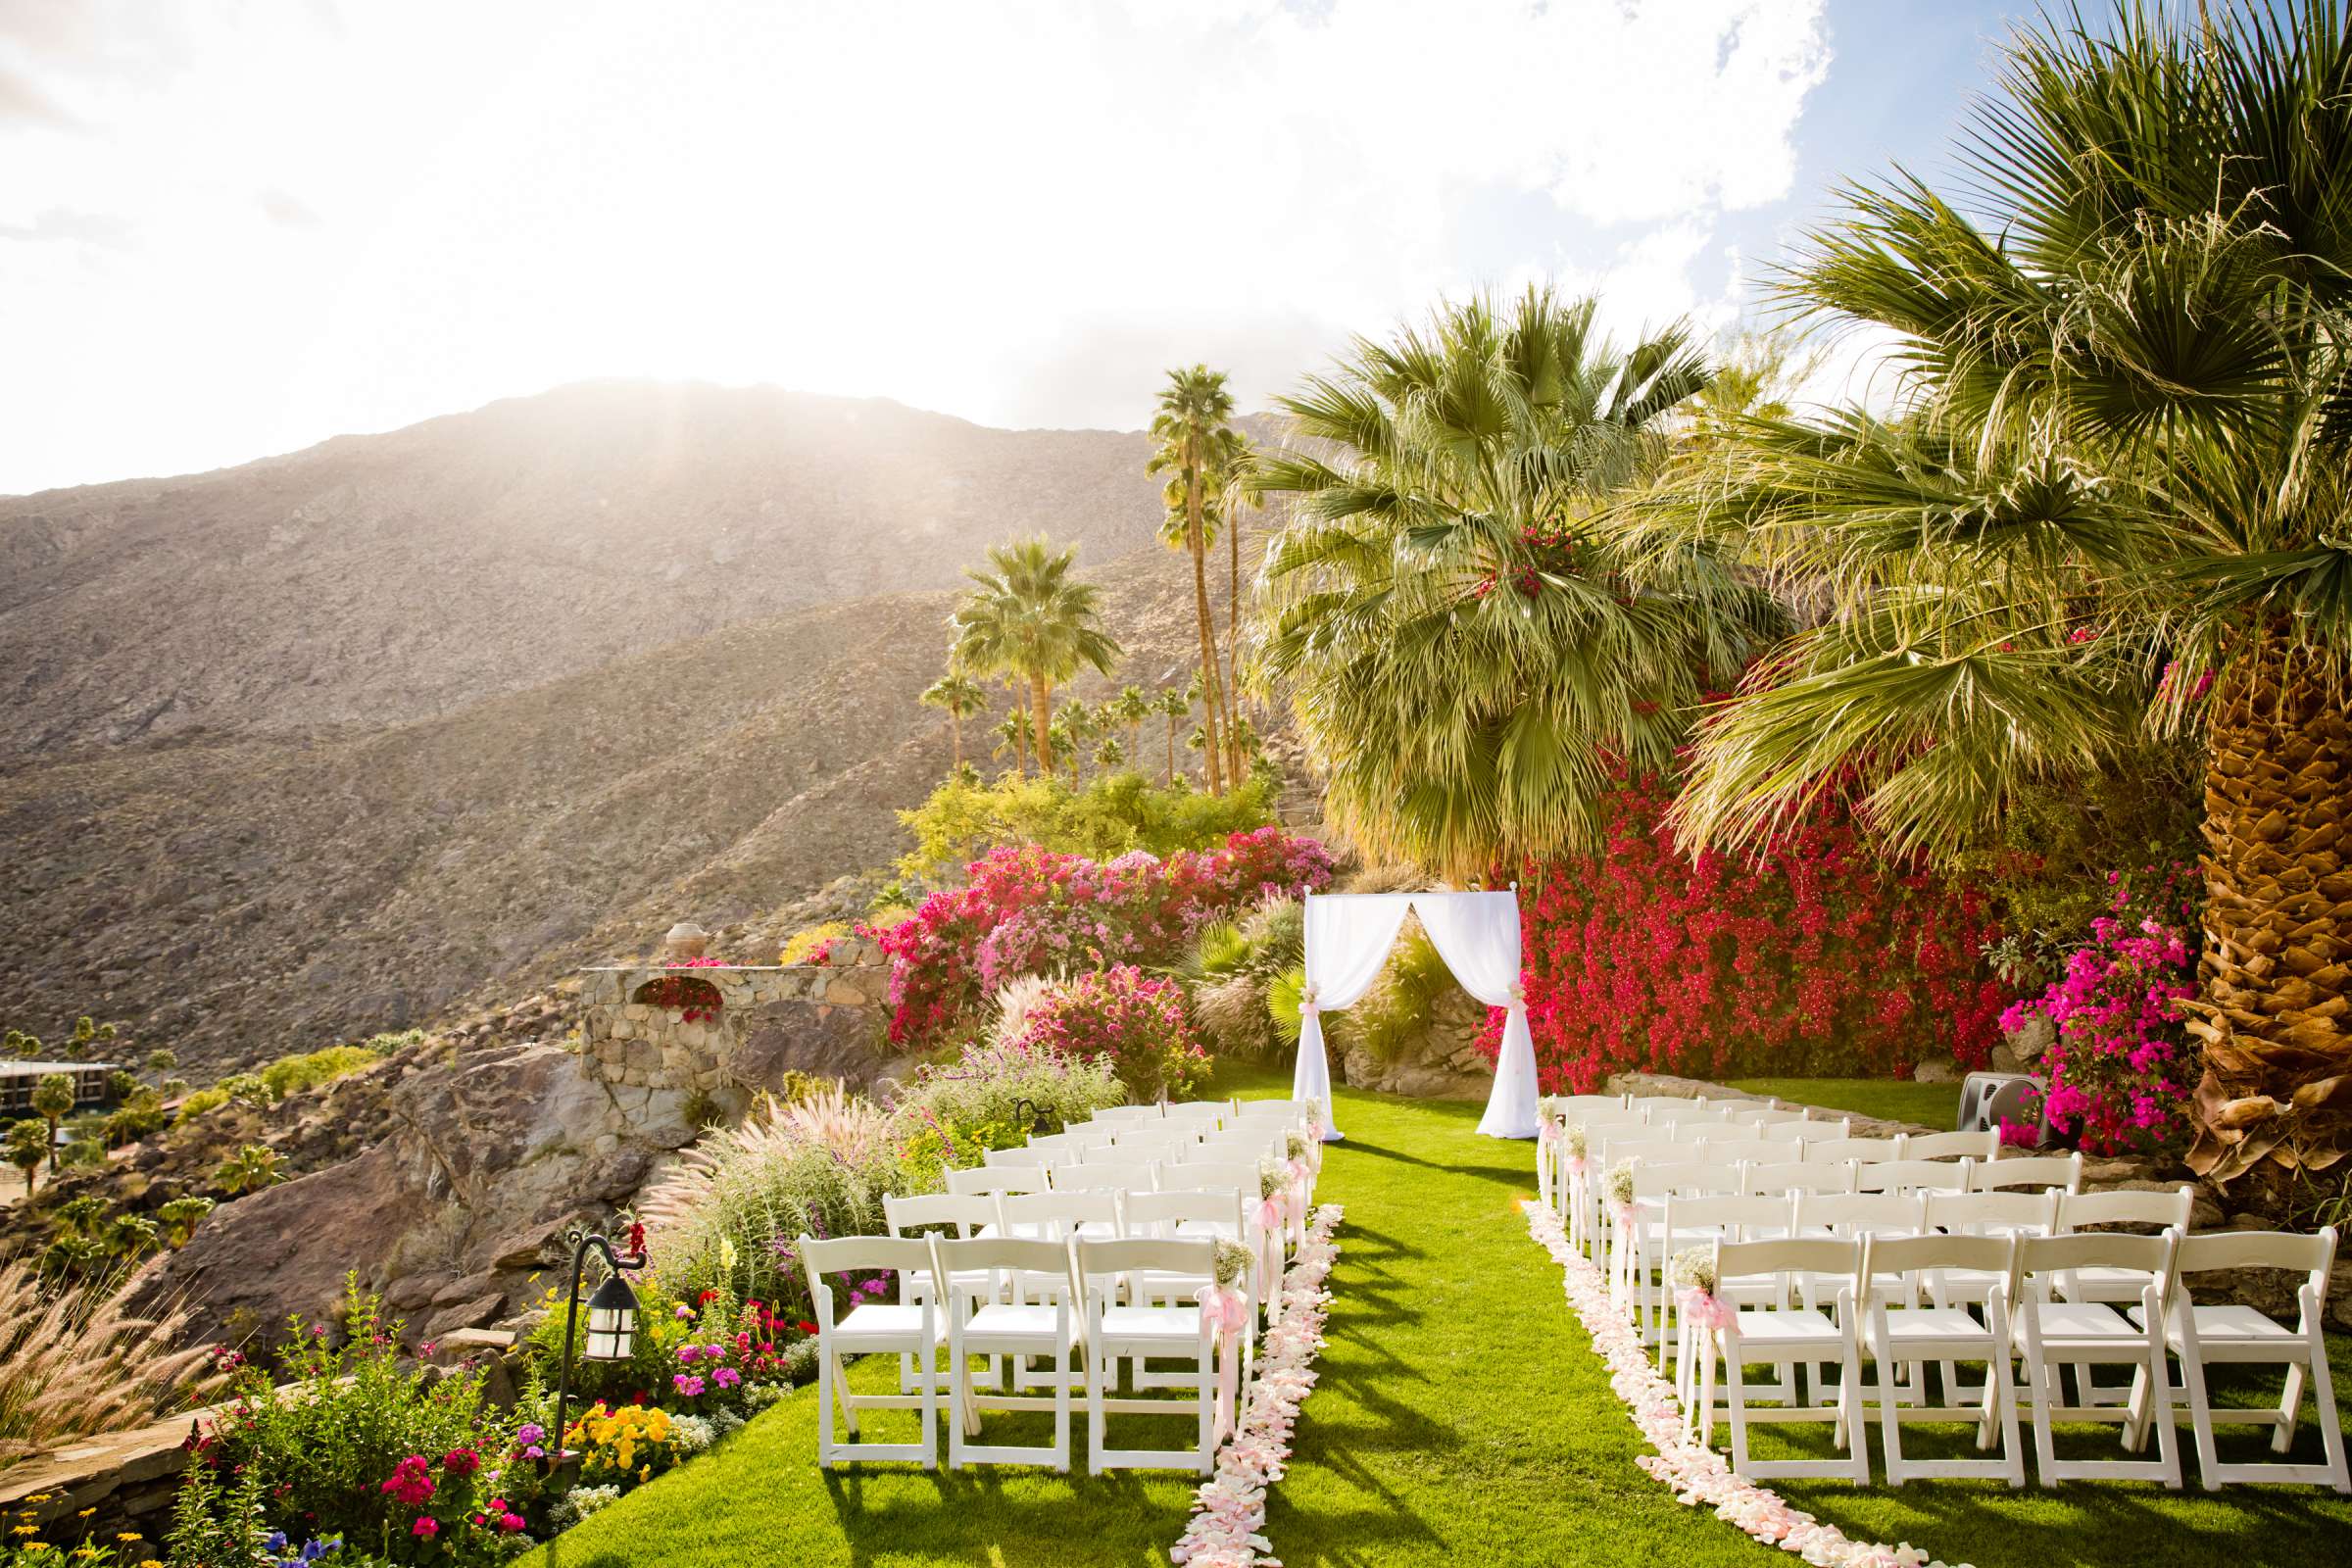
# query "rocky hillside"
(335, 742)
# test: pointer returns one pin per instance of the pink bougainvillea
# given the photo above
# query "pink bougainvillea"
(2120, 1069)
(1135, 1020)
(1818, 957)
(1026, 910)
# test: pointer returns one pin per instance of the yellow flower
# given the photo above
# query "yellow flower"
(25, 1529)
(128, 1535)
(646, 1474)
(86, 1513)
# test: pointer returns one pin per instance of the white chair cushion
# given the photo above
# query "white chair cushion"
(1762, 1328)
(1922, 1324)
(876, 1323)
(998, 1321)
(1166, 1325)
(2082, 1323)
(2229, 1325)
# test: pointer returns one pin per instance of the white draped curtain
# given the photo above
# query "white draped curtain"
(1347, 939)
(1477, 934)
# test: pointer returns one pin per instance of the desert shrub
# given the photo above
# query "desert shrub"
(74, 1362)
(989, 1082)
(1232, 1015)
(292, 1074)
(1114, 814)
(803, 943)
(362, 1445)
(200, 1102)
(1030, 911)
(1137, 1020)
(1396, 1010)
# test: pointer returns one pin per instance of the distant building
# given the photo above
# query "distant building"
(16, 1080)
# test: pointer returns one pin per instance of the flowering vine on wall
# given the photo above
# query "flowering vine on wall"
(1820, 958)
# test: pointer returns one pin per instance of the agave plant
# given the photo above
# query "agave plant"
(1465, 647)
(2115, 503)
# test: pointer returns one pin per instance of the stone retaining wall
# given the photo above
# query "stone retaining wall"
(825, 1019)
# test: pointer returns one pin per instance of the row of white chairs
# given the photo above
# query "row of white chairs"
(1887, 1308)
(1135, 1239)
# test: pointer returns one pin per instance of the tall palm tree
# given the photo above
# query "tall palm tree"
(1237, 492)
(1012, 735)
(1029, 619)
(53, 1102)
(2124, 465)
(1193, 430)
(1174, 705)
(962, 698)
(1468, 650)
(1081, 724)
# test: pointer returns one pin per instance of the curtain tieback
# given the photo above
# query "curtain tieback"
(1307, 1002)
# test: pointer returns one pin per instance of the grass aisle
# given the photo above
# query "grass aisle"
(1461, 1418)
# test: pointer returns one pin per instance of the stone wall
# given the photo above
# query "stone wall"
(824, 1020)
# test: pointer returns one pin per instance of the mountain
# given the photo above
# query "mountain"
(328, 743)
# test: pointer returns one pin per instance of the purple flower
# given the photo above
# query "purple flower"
(688, 1384)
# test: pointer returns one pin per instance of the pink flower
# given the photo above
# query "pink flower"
(426, 1528)
(687, 1384)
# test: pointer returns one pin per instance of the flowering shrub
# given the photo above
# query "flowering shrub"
(1027, 910)
(2120, 1069)
(1137, 1021)
(696, 1001)
(623, 1447)
(1818, 958)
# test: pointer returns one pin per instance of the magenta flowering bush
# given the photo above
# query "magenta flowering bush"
(1135, 1020)
(2120, 1069)
(1027, 910)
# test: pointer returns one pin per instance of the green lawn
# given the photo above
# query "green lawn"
(1934, 1106)
(1461, 1418)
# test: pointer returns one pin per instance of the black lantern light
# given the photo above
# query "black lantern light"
(611, 1316)
(1038, 1127)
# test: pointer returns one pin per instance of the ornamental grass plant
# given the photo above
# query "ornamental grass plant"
(74, 1362)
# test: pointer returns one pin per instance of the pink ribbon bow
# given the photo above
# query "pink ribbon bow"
(1224, 1313)
(1707, 1311)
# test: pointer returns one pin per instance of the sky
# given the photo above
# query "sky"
(238, 228)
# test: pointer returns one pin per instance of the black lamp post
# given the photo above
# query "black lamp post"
(1036, 1116)
(612, 1315)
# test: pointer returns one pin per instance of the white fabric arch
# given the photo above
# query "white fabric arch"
(1477, 934)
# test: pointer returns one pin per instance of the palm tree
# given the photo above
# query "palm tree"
(1237, 492)
(1029, 619)
(1174, 705)
(1193, 430)
(25, 1147)
(1081, 724)
(1471, 654)
(249, 1170)
(1063, 742)
(53, 1100)
(2123, 467)
(1109, 755)
(1129, 709)
(1012, 735)
(961, 697)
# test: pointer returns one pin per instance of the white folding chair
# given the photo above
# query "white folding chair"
(2062, 1172)
(2242, 1336)
(1041, 1320)
(2050, 1334)
(1813, 1130)
(1699, 1222)
(964, 1215)
(1913, 1175)
(1905, 1336)
(1726, 1152)
(1772, 1114)
(2004, 1214)
(1200, 1110)
(1107, 1176)
(1061, 1215)
(1124, 1115)
(1773, 1181)
(1030, 1154)
(1574, 1196)
(1636, 1242)
(1126, 1320)
(1290, 1110)
(2083, 1211)
(1980, 1147)
(1781, 1334)
(986, 1179)
(1861, 1148)
(874, 1329)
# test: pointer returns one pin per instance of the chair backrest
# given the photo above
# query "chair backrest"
(1913, 1175)
(1975, 1213)
(1980, 1146)
(1679, 1110)
(858, 1254)
(1573, 1107)
(2163, 1210)
(1916, 1255)
(1056, 1216)
(1764, 1114)
(1814, 1130)
(1152, 1144)
(1761, 1180)
(1648, 1102)
(1287, 1109)
(1099, 1263)
(1159, 1213)
(1824, 1255)
(1100, 1177)
(1744, 1218)
(1029, 1154)
(1695, 1130)
(2060, 1254)
(1039, 1264)
(1245, 1145)
(1686, 1176)
(1648, 1149)
(1209, 1176)
(2292, 1250)
(1193, 1110)
(963, 1212)
(1862, 1213)
(2063, 1171)
(1750, 1152)
(1853, 1148)
(998, 1179)
(1120, 1115)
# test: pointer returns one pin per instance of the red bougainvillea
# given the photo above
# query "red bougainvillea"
(1818, 959)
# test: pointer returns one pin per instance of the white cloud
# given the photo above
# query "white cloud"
(1011, 212)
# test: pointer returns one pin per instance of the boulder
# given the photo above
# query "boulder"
(814, 1038)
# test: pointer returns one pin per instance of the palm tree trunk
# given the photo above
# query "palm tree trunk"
(2276, 969)
(1041, 714)
(1208, 644)
(1232, 642)
(955, 730)
(1171, 750)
